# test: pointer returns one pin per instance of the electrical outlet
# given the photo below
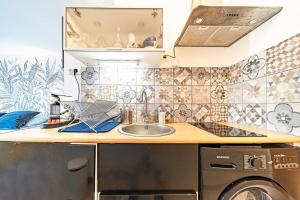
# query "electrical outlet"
(72, 71)
(75, 71)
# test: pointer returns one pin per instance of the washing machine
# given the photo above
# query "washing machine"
(250, 173)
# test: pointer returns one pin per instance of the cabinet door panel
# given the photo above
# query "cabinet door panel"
(150, 197)
(8, 168)
(40, 171)
(148, 167)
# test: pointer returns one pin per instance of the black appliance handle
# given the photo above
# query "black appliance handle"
(223, 166)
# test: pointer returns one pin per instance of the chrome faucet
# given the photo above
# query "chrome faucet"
(145, 109)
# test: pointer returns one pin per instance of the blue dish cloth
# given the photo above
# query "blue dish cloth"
(16, 120)
(83, 128)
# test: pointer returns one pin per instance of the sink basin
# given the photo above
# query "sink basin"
(146, 130)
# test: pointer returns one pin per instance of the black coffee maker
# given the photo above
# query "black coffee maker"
(54, 108)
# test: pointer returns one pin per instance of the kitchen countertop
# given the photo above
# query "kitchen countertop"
(185, 133)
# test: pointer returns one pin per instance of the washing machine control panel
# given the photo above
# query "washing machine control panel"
(283, 161)
(255, 162)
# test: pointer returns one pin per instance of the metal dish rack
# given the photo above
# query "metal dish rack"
(92, 113)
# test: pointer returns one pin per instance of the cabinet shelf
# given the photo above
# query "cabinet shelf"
(147, 57)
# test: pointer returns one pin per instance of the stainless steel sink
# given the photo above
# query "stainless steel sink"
(146, 130)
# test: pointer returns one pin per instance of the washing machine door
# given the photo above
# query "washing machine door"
(255, 190)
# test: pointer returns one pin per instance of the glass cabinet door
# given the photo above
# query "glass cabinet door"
(92, 27)
(255, 190)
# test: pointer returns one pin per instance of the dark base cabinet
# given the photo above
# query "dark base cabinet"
(153, 171)
(150, 197)
(46, 171)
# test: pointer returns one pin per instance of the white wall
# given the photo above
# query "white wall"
(277, 29)
(36, 24)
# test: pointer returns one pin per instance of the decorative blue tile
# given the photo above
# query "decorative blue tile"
(255, 115)
(108, 92)
(89, 93)
(219, 112)
(284, 117)
(127, 94)
(284, 56)
(236, 113)
(219, 94)
(284, 87)
(163, 76)
(200, 94)
(235, 93)
(255, 66)
(255, 91)
(182, 112)
(182, 76)
(90, 75)
(219, 75)
(163, 94)
(201, 112)
(201, 76)
(182, 94)
(236, 73)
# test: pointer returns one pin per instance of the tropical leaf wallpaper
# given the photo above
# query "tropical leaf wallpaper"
(25, 84)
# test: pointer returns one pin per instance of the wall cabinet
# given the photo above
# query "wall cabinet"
(96, 35)
(113, 28)
(46, 171)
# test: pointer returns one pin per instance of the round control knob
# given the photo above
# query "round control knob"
(256, 162)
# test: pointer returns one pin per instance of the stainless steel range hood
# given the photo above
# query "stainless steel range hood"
(221, 26)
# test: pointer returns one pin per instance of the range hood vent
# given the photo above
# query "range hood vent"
(221, 26)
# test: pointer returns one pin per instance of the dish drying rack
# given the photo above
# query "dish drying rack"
(92, 113)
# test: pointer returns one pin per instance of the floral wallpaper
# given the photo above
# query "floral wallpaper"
(264, 89)
(25, 84)
(186, 94)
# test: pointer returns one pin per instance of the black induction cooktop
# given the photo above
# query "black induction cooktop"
(224, 131)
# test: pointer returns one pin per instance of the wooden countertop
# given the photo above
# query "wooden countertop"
(185, 133)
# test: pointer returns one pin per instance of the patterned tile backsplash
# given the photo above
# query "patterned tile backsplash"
(264, 89)
(284, 56)
(184, 93)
